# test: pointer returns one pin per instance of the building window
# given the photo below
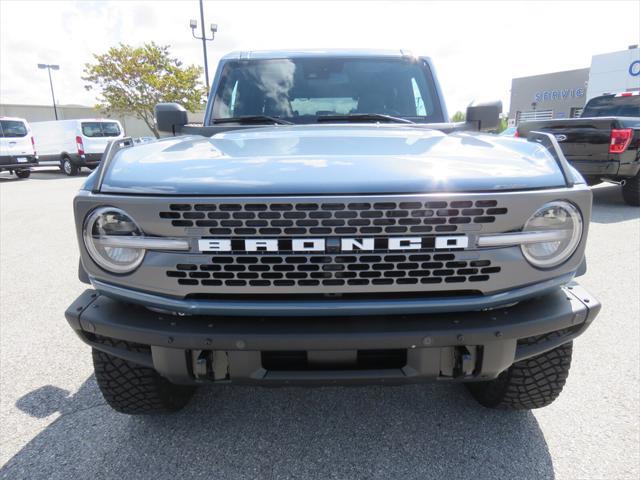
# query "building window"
(534, 115)
(576, 112)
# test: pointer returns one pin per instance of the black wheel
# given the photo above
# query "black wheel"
(133, 389)
(69, 168)
(631, 191)
(532, 383)
(23, 173)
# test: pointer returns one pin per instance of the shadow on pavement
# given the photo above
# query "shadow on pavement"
(609, 207)
(416, 431)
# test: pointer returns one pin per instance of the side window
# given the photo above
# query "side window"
(225, 102)
(110, 129)
(421, 110)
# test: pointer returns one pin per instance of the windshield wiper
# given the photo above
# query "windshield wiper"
(363, 117)
(253, 119)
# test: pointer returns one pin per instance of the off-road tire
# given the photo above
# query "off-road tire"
(23, 173)
(631, 191)
(532, 383)
(69, 169)
(134, 389)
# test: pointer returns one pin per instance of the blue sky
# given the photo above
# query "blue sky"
(477, 47)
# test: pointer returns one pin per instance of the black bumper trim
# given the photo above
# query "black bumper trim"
(570, 309)
(19, 166)
(86, 159)
(10, 162)
(90, 159)
(606, 168)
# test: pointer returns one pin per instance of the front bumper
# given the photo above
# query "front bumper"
(446, 346)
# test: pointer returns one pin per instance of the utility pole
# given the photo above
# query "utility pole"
(50, 67)
(214, 28)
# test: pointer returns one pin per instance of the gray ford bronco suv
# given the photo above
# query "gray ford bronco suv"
(326, 225)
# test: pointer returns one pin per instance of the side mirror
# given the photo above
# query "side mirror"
(170, 117)
(484, 116)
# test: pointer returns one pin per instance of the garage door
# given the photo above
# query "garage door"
(535, 115)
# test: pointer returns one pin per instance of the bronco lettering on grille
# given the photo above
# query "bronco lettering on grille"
(323, 245)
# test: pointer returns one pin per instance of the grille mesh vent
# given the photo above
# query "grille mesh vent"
(300, 219)
(332, 270)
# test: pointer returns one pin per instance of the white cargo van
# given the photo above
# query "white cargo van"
(72, 144)
(17, 151)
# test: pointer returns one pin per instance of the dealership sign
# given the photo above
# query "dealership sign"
(562, 94)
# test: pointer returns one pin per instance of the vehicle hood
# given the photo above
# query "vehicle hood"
(331, 159)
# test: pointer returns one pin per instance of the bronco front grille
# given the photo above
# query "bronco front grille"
(333, 218)
(357, 270)
(345, 262)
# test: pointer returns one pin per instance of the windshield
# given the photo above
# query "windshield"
(100, 129)
(612, 106)
(12, 129)
(302, 89)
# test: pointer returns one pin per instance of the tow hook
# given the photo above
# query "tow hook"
(209, 365)
(203, 364)
(465, 361)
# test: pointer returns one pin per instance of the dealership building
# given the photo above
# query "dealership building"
(564, 94)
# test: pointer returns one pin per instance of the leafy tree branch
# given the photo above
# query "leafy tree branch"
(134, 79)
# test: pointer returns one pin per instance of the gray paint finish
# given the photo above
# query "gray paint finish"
(332, 159)
(515, 271)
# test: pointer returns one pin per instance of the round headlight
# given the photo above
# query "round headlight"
(558, 217)
(101, 227)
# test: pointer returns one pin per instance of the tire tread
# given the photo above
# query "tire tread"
(531, 383)
(135, 389)
(631, 191)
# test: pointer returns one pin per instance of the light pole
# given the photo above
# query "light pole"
(49, 67)
(214, 28)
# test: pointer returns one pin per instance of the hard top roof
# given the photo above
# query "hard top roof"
(310, 53)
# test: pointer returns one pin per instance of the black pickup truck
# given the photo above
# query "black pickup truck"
(604, 143)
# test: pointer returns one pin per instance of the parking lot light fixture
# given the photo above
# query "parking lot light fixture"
(214, 28)
(50, 67)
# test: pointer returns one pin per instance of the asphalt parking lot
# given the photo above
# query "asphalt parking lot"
(55, 425)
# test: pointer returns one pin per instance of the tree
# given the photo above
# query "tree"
(503, 124)
(134, 79)
(458, 117)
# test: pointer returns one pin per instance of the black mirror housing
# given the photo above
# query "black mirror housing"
(171, 117)
(484, 116)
